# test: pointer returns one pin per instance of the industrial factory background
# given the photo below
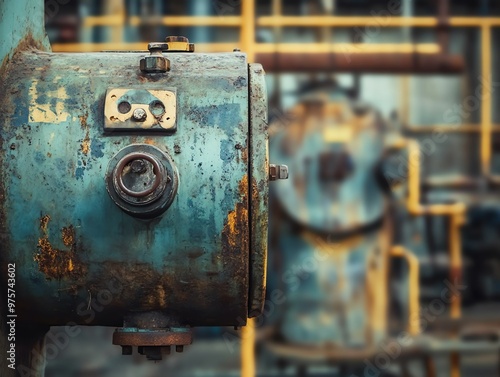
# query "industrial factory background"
(383, 254)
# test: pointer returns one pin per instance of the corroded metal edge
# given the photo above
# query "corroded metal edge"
(152, 337)
(259, 179)
(24, 19)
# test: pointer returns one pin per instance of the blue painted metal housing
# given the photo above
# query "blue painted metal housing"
(69, 239)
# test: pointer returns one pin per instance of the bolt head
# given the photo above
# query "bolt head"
(138, 166)
(139, 115)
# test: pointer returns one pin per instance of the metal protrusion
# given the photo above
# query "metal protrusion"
(178, 44)
(156, 62)
(153, 353)
(179, 348)
(139, 115)
(176, 38)
(138, 166)
(278, 172)
(126, 350)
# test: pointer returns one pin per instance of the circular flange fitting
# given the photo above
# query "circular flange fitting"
(142, 180)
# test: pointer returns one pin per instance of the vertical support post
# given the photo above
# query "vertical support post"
(413, 202)
(248, 349)
(486, 98)
(247, 37)
(455, 242)
(117, 9)
(456, 220)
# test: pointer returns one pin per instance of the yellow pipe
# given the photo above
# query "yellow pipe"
(116, 9)
(247, 34)
(135, 46)
(340, 21)
(456, 221)
(486, 100)
(118, 20)
(456, 212)
(280, 21)
(104, 20)
(374, 21)
(348, 48)
(413, 200)
(219, 21)
(430, 128)
(248, 349)
(414, 287)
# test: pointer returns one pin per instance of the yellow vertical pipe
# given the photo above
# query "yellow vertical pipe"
(247, 36)
(277, 11)
(486, 99)
(456, 221)
(116, 8)
(413, 176)
(248, 349)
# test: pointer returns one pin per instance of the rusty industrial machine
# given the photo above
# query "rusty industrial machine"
(133, 190)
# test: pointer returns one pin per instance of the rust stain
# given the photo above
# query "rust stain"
(44, 221)
(142, 285)
(158, 297)
(27, 43)
(85, 145)
(235, 235)
(55, 263)
(244, 155)
(68, 235)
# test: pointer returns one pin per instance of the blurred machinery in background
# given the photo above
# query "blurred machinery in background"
(329, 237)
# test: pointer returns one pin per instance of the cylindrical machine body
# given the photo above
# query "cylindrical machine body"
(81, 256)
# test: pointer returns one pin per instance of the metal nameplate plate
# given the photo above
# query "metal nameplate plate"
(140, 109)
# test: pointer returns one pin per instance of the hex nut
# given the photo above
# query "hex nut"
(154, 64)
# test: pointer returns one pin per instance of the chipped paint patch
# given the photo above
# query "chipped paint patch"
(47, 112)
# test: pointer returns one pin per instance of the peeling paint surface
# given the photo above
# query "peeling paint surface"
(51, 108)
